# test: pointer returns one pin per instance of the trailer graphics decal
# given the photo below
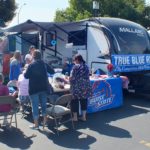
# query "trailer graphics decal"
(129, 63)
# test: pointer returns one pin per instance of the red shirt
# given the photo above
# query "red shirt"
(4, 91)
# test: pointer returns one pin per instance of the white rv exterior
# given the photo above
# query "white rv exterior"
(100, 41)
(104, 37)
(97, 44)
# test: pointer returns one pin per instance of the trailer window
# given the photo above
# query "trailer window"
(78, 37)
(27, 40)
(133, 45)
(12, 43)
(50, 37)
(3, 44)
(132, 42)
(113, 46)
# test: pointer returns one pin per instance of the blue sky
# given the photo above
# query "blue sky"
(38, 10)
(148, 2)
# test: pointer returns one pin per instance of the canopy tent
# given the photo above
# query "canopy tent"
(30, 25)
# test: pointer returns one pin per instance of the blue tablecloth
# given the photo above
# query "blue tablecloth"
(107, 93)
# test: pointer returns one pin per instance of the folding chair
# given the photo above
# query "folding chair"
(51, 99)
(26, 105)
(61, 108)
(14, 108)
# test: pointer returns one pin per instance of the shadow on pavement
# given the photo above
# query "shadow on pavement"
(15, 138)
(102, 123)
(72, 139)
(82, 136)
(85, 133)
(137, 100)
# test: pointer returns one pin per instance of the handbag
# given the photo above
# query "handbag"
(49, 88)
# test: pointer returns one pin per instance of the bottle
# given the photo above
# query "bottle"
(93, 71)
(110, 74)
(66, 75)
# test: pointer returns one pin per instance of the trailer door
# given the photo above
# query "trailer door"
(97, 48)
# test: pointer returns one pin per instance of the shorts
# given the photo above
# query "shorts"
(24, 99)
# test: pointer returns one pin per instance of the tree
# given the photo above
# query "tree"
(71, 15)
(78, 10)
(134, 10)
(7, 11)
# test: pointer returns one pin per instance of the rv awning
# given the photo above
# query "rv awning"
(36, 26)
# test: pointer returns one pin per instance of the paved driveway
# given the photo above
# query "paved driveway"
(127, 127)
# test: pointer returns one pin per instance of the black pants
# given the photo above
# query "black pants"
(75, 105)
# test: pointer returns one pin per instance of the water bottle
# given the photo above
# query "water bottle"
(66, 75)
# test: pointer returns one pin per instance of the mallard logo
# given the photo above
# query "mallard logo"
(131, 30)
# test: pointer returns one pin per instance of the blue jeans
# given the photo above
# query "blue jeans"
(40, 97)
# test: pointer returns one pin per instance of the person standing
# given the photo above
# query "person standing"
(80, 87)
(23, 89)
(66, 67)
(37, 75)
(31, 50)
(29, 59)
(15, 67)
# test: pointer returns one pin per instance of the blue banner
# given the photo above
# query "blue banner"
(106, 94)
(129, 63)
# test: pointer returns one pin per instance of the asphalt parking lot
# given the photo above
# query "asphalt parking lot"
(126, 127)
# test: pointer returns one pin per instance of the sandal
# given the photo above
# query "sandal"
(44, 124)
(34, 127)
(81, 119)
(75, 120)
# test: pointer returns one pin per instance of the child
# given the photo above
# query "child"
(4, 91)
(23, 93)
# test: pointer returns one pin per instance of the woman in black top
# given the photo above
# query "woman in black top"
(37, 75)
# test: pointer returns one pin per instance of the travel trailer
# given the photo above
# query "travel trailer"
(100, 41)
